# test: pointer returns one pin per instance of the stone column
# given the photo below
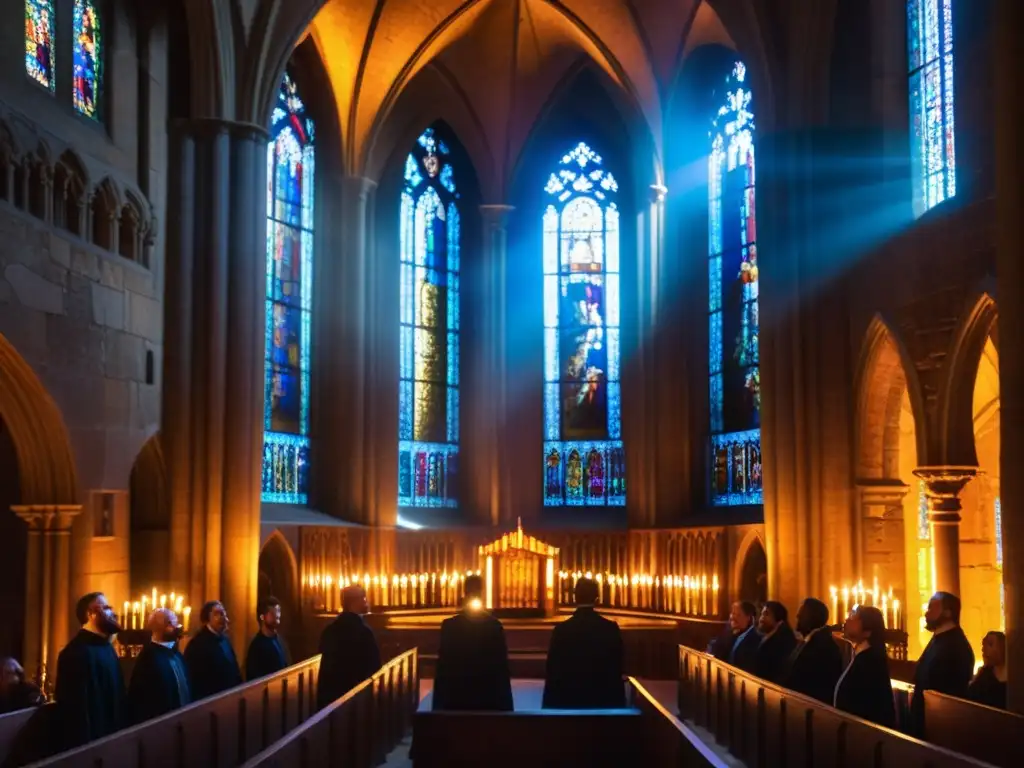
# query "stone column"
(1009, 163)
(213, 374)
(942, 487)
(881, 533)
(492, 495)
(48, 581)
(805, 367)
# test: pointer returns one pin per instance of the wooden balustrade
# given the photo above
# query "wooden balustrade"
(767, 725)
(666, 739)
(357, 730)
(223, 730)
(18, 728)
(973, 729)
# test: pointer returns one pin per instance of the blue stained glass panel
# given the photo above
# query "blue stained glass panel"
(88, 58)
(584, 461)
(932, 130)
(430, 248)
(734, 385)
(290, 215)
(39, 39)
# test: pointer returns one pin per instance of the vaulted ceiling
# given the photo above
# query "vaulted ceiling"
(506, 58)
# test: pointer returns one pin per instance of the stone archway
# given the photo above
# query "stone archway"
(894, 546)
(47, 502)
(752, 572)
(150, 518)
(279, 576)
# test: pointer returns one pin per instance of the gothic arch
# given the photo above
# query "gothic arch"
(749, 555)
(279, 575)
(956, 402)
(149, 516)
(45, 460)
(884, 374)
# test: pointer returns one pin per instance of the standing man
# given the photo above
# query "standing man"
(209, 657)
(816, 663)
(584, 669)
(159, 681)
(738, 644)
(90, 688)
(348, 648)
(777, 643)
(472, 661)
(266, 653)
(947, 664)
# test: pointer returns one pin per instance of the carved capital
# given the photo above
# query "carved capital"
(887, 493)
(48, 518)
(942, 487)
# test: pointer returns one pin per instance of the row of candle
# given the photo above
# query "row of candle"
(844, 599)
(685, 595)
(397, 590)
(135, 614)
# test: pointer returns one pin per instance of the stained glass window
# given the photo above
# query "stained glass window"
(39, 37)
(932, 139)
(88, 58)
(584, 461)
(428, 405)
(290, 201)
(733, 326)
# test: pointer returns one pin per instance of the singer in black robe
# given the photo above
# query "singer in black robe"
(159, 683)
(211, 664)
(349, 655)
(472, 664)
(265, 657)
(90, 689)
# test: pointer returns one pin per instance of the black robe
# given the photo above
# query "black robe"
(211, 664)
(349, 655)
(159, 683)
(987, 689)
(743, 653)
(815, 667)
(865, 690)
(772, 660)
(90, 690)
(584, 668)
(721, 646)
(946, 666)
(266, 656)
(472, 665)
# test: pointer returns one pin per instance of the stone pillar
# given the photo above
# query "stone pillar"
(805, 368)
(881, 533)
(942, 487)
(47, 598)
(212, 426)
(492, 383)
(1009, 163)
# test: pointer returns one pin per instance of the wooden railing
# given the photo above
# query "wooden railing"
(357, 730)
(984, 733)
(18, 727)
(223, 730)
(766, 725)
(667, 740)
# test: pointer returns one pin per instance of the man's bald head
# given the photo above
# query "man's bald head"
(353, 599)
(164, 625)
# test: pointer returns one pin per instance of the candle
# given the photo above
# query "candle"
(188, 614)
(846, 602)
(896, 614)
(125, 617)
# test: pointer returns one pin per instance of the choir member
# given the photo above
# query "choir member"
(209, 658)
(348, 648)
(947, 663)
(989, 686)
(816, 662)
(777, 643)
(864, 689)
(266, 652)
(159, 681)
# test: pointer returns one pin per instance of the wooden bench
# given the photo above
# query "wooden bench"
(766, 725)
(992, 735)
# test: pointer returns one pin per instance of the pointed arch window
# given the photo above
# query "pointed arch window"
(39, 39)
(290, 205)
(932, 134)
(88, 58)
(733, 325)
(428, 406)
(584, 460)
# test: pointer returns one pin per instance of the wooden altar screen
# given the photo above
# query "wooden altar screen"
(519, 573)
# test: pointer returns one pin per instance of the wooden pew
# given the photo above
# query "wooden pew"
(15, 726)
(643, 734)
(766, 725)
(357, 730)
(992, 735)
(223, 730)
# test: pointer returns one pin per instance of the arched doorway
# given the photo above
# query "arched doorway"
(895, 538)
(12, 565)
(980, 537)
(278, 576)
(752, 581)
(150, 518)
